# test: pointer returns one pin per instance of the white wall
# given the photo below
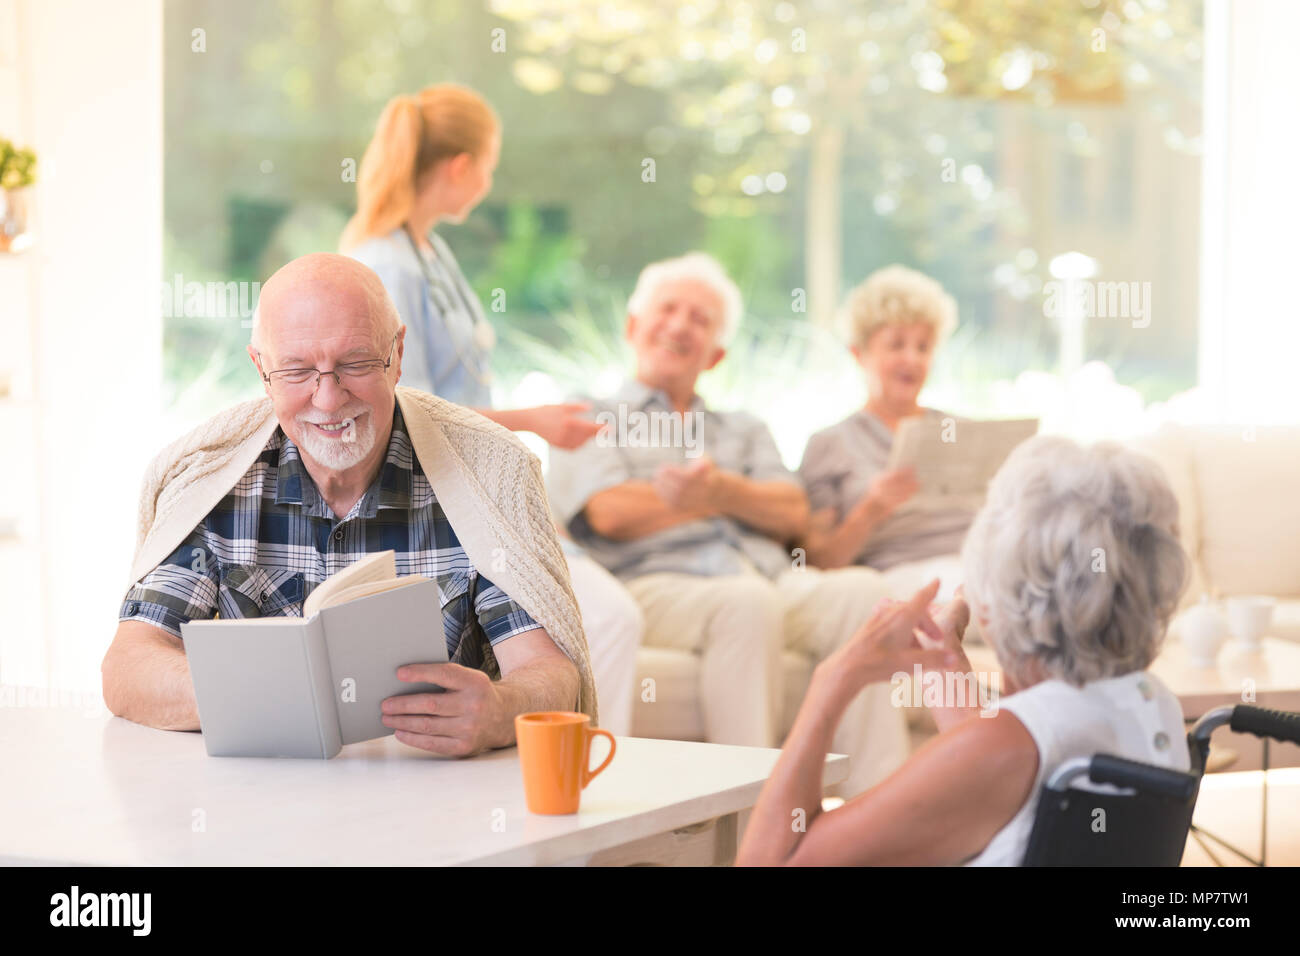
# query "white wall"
(22, 648)
(1250, 334)
(87, 96)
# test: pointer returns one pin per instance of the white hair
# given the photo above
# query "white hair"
(697, 267)
(894, 295)
(1074, 561)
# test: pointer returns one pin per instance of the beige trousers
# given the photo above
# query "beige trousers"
(739, 625)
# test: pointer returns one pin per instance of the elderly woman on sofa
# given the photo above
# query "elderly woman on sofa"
(1073, 567)
(897, 319)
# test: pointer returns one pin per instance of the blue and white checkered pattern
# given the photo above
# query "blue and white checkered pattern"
(264, 548)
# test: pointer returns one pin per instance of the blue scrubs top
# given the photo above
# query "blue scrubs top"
(443, 354)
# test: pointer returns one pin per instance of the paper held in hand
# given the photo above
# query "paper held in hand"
(955, 459)
(305, 686)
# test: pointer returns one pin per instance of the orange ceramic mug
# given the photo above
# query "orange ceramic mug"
(555, 754)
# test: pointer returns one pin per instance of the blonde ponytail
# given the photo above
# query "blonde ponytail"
(413, 135)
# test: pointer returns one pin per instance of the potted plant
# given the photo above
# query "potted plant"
(17, 172)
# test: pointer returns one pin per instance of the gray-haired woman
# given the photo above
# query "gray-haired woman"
(1073, 568)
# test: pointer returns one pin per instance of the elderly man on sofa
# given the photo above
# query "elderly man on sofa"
(694, 510)
(245, 515)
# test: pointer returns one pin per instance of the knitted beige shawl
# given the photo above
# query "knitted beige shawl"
(488, 484)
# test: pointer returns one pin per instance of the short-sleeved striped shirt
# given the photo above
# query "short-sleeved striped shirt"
(272, 539)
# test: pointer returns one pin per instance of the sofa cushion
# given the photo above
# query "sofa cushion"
(1247, 482)
(675, 712)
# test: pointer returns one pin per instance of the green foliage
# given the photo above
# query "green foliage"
(753, 249)
(17, 166)
(537, 268)
(571, 338)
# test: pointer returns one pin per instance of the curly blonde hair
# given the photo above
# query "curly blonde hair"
(897, 294)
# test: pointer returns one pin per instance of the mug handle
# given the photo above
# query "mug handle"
(589, 775)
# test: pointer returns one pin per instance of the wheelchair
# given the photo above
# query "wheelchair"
(1147, 821)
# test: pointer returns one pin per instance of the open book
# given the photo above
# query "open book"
(305, 686)
(955, 459)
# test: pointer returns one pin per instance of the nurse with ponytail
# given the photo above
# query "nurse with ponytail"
(431, 160)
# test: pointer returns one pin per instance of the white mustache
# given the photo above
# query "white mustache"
(341, 416)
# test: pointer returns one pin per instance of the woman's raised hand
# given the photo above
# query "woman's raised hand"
(952, 619)
(944, 628)
(888, 643)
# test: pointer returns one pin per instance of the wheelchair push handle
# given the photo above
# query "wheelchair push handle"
(1263, 722)
(1174, 784)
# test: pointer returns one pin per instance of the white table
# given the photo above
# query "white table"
(94, 789)
(1271, 674)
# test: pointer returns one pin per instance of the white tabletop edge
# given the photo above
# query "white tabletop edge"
(567, 846)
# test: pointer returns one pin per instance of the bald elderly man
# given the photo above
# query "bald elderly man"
(251, 511)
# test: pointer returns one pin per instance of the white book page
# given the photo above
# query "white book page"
(366, 589)
(380, 566)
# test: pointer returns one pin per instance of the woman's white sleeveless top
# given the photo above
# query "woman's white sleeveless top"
(1133, 716)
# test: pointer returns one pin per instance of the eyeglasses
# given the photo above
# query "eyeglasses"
(296, 378)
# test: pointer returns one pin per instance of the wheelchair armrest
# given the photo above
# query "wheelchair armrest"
(1174, 784)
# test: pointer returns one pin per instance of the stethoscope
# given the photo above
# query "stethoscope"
(484, 337)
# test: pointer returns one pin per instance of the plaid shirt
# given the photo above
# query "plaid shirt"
(264, 548)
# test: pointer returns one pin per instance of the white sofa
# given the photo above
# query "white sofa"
(675, 712)
(1238, 491)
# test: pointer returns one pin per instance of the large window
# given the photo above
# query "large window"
(1003, 154)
